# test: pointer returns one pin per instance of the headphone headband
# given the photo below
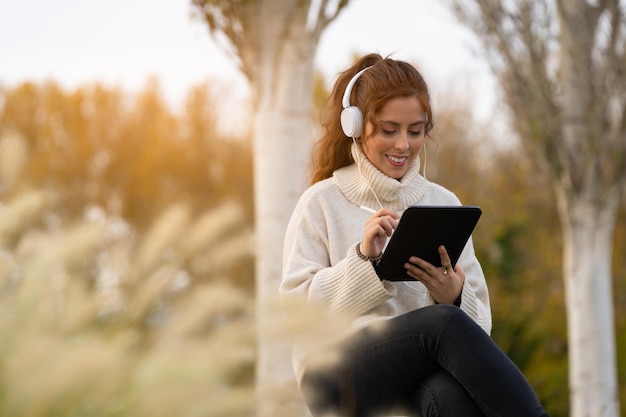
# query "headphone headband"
(346, 95)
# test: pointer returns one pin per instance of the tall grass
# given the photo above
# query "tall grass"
(97, 321)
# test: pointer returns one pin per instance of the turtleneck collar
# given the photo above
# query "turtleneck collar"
(355, 180)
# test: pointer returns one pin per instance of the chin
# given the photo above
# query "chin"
(396, 175)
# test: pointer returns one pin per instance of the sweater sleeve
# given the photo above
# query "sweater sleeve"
(348, 286)
(475, 295)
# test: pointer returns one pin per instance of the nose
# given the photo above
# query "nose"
(402, 141)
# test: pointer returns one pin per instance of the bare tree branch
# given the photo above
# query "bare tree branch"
(324, 18)
(521, 42)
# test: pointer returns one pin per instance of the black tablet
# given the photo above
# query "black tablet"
(422, 229)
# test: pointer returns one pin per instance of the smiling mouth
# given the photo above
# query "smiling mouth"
(397, 160)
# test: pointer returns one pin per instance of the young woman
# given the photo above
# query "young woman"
(422, 347)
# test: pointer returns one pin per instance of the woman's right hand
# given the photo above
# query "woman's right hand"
(377, 229)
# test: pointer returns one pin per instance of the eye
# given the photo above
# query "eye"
(415, 132)
(387, 132)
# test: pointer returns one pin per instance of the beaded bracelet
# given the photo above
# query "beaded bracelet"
(361, 255)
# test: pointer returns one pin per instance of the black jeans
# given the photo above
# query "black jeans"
(435, 361)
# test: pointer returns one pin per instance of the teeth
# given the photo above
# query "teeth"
(397, 159)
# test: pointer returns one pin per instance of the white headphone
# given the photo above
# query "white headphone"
(351, 116)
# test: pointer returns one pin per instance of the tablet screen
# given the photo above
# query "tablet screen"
(422, 229)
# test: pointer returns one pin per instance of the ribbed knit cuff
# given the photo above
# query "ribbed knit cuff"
(355, 289)
(469, 303)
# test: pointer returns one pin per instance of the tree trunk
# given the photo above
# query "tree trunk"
(275, 42)
(571, 117)
(279, 180)
(588, 209)
(588, 231)
(282, 140)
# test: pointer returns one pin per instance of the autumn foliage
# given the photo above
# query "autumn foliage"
(125, 253)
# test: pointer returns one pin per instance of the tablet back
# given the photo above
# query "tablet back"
(422, 229)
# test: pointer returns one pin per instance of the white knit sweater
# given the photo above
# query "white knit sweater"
(320, 261)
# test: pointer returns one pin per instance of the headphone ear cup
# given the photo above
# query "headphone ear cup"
(352, 122)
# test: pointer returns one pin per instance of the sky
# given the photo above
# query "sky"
(124, 42)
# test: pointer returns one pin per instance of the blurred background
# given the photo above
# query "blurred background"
(126, 205)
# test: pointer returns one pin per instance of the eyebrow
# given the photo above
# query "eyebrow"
(391, 122)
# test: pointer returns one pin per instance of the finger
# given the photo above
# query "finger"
(414, 271)
(386, 212)
(378, 220)
(422, 264)
(422, 269)
(446, 264)
(388, 224)
(378, 231)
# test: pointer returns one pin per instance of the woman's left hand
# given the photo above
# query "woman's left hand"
(444, 283)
